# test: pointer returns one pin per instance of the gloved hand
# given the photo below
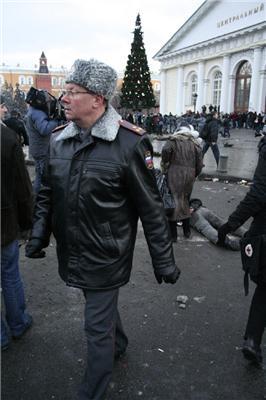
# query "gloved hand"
(170, 278)
(222, 232)
(33, 249)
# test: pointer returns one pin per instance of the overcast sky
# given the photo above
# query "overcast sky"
(102, 29)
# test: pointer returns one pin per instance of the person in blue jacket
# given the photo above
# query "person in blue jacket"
(39, 128)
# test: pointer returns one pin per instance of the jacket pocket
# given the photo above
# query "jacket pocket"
(108, 241)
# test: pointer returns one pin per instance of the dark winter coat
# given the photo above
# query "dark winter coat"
(182, 158)
(18, 126)
(254, 203)
(213, 129)
(16, 188)
(93, 193)
(39, 128)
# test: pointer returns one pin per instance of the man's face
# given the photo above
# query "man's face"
(79, 104)
(3, 111)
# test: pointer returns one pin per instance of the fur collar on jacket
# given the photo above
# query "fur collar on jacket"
(105, 128)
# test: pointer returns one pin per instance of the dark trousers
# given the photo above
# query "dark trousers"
(173, 227)
(257, 315)
(105, 336)
(215, 150)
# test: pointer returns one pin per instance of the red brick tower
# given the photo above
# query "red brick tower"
(43, 78)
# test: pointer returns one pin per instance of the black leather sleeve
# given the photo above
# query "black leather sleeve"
(255, 200)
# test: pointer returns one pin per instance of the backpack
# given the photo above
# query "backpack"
(204, 132)
(253, 256)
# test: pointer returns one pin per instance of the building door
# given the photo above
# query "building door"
(242, 89)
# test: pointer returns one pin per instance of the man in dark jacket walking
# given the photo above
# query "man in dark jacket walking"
(17, 125)
(253, 205)
(16, 215)
(212, 127)
(98, 181)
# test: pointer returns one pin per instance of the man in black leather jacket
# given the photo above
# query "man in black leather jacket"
(253, 205)
(98, 181)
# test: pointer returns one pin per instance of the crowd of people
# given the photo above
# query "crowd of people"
(95, 179)
(167, 123)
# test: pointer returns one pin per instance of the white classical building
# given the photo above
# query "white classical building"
(218, 57)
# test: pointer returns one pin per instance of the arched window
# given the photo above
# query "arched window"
(29, 80)
(54, 81)
(194, 87)
(21, 80)
(243, 80)
(217, 86)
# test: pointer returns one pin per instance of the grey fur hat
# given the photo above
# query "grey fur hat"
(95, 76)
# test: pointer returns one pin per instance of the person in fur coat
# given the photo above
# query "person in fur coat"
(182, 162)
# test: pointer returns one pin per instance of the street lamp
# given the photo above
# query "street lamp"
(194, 101)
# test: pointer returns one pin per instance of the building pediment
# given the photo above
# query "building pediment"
(214, 20)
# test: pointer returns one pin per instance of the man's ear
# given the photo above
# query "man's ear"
(99, 100)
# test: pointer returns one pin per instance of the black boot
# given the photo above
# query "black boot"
(186, 228)
(252, 351)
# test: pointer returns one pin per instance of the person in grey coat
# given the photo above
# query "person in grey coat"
(207, 223)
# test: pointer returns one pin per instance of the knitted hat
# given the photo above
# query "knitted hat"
(195, 203)
(95, 76)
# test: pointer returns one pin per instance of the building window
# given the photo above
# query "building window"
(30, 80)
(61, 82)
(194, 87)
(242, 91)
(54, 81)
(157, 87)
(21, 80)
(217, 86)
(2, 80)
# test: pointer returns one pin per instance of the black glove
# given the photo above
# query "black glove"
(222, 232)
(170, 278)
(33, 249)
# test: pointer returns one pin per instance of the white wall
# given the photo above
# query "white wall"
(171, 91)
(224, 17)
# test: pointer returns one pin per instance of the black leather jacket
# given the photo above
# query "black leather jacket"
(92, 194)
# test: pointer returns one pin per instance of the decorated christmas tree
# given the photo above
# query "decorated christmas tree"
(136, 91)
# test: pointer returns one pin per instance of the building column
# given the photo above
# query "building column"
(254, 88)
(262, 92)
(163, 92)
(231, 93)
(224, 105)
(180, 90)
(206, 84)
(200, 98)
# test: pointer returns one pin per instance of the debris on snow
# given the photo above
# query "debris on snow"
(182, 299)
(199, 299)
